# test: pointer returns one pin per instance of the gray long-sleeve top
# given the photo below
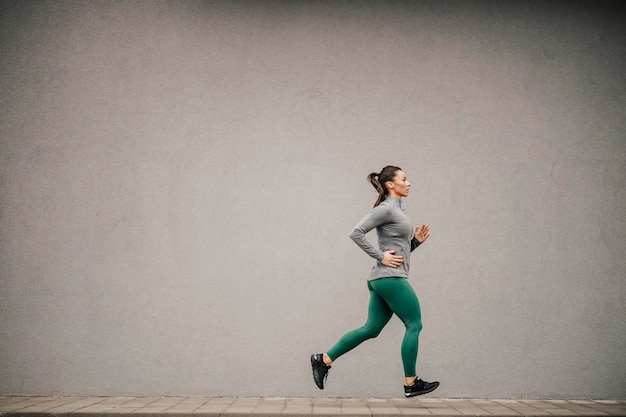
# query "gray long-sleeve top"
(394, 232)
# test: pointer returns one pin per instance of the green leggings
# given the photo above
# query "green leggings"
(387, 296)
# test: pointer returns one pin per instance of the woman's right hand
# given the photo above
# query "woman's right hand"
(391, 260)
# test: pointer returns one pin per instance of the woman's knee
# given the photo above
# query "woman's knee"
(372, 330)
(414, 325)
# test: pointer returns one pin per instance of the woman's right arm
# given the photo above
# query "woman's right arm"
(378, 216)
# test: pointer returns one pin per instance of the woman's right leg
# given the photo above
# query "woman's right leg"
(401, 299)
(378, 315)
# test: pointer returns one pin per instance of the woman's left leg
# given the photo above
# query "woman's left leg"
(378, 315)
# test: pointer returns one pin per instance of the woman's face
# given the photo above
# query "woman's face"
(399, 187)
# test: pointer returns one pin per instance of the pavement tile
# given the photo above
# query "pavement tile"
(42, 399)
(270, 406)
(117, 400)
(188, 405)
(196, 402)
(376, 400)
(236, 411)
(385, 411)
(295, 413)
(415, 411)
(290, 404)
(589, 412)
(138, 403)
(298, 404)
(430, 403)
(96, 408)
(297, 409)
(356, 411)
(38, 405)
(608, 410)
(381, 406)
(63, 400)
(162, 404)
(185, 407)
(170, 399)
(181, 410)
(598, 412)
(444, 412)
(75, 405)
(326, 409)
(528, 411)
(562, 412)
(32, 409)
(359, 408)
(22, 403)
(127, 410)
(272, 402)
(499, 410)
(326, 401)
(468, 410)
(153, 407)
(80, 404)
(263, 409)
(215, 405)
(247, 401)
(385, 404)
(472, 412)
(240, 406)
(211, 409)
(408, 404)
(550, 405)
(10, 400)
(412, 409)
(353, 402)
(578, 407)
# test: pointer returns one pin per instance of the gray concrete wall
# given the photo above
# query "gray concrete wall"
(178, 181)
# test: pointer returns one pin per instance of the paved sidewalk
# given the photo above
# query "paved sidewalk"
(233, 407)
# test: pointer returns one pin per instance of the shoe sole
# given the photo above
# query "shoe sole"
(316, 377)
(415, 394)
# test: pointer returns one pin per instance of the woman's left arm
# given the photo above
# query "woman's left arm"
(421, 234)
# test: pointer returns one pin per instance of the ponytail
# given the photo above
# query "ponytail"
(373, 179)
(379, 180)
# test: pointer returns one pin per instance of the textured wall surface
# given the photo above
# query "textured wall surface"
(178, 181)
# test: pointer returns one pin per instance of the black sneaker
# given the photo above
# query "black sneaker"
(320, 369)
(420, 387)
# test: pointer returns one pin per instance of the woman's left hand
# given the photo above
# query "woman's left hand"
(422, 233)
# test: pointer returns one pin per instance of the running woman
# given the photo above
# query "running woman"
(390, 291)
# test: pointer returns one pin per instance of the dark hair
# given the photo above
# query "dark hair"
(379, 181)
